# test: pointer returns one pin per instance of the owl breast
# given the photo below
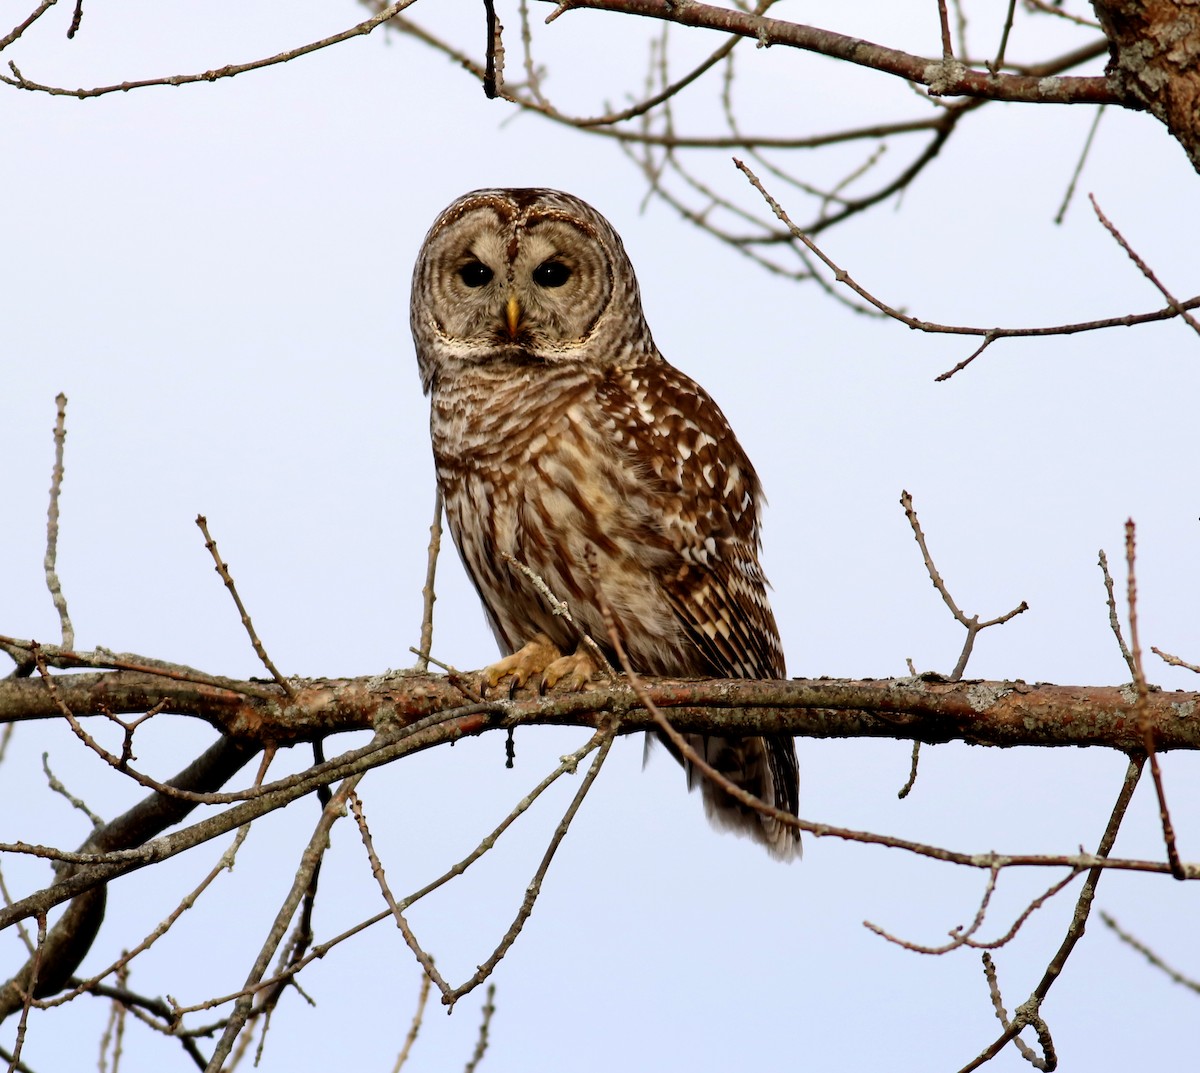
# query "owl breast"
(528, 471)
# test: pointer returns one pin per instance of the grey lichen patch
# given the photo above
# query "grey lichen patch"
(1184, 709)
(1128, 693)
(982, 695)
(944, 77)
(1050, 86)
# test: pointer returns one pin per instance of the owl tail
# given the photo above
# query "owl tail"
(765, 767)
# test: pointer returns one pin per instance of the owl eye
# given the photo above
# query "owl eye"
(551, 274)
(475, 274)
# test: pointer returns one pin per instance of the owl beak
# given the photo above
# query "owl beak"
(512, 314)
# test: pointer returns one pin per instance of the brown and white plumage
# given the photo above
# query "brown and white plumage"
(558, 427)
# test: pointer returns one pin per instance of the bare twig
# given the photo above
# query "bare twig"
(65, 659)
(1113, 621)
(29, 991)
(415, 1026)
(51, 562)
(17, 31)
(906, 789)
(92, 983)
(222, 569)
(397, 909)
(1181, 309)
(429, 593)
(1029, 1011)
(960, 937)
(243, 1007)
(998, 63)
(493, 79)
(1175, 661)
(1143, 690)
(19, 81)
(423, 958)
(562, 609)
(989, 334)
(481, 1041)
(1087, 148)
(604, 739)
(1047, 1061)
(57, 787)
(972, 624)
(1149, 955)
(944, 19)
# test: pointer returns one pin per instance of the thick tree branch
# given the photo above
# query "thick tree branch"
(944, 77)
(1155, 45)
(926, 709)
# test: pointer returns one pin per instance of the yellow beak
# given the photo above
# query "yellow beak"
(512, 314)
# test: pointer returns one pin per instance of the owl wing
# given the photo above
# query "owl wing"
(708, 501)
(708, 495)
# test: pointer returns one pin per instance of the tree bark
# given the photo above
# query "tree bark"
(1154, 62)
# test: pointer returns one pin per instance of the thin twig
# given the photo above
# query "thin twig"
(313, 853)
(415, 1026)
(1143, 714)
(1149, 954)
(563, 609)
(1029, 1012)
(19, 81)
(102, 658)
(76, 19)
(423, 958)
(493, 79)
(222, 569)
(906, 789)
(998, 62)
(21, 27)
(1039, 1026)
(51, 561)
(30, 989)
(960, 937)
(481, 1042)
(1113, 621)
(1166, 657)
(1145, 269)
(605, 739)
(989, 334)
(1087, 148)
(972, 624)
(77, 803)
(429, 593)
(92, 983)
(944, 19)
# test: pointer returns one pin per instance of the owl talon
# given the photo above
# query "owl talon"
(527, 662)
(570, 673)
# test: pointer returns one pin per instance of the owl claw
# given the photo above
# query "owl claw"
(571, 673)
(525, 663)
(543, 660)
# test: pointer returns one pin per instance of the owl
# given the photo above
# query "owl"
(563, 440)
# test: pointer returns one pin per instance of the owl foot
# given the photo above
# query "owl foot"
(572, 673)
(541, 659)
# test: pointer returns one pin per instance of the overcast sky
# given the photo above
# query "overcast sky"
(217, 276)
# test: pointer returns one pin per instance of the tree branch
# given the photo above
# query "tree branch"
(944, 77)
(928, 708)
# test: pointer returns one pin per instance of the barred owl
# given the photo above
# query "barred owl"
(561, 435)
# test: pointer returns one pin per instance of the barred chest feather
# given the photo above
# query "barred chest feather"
(532, 464)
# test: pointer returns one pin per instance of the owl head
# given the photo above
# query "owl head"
(525, 276)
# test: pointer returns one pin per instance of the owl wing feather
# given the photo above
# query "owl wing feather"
(709, 495)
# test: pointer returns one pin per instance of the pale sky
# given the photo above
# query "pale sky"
(217, 276)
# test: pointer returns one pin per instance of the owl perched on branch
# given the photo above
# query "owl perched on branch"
(563, 440)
